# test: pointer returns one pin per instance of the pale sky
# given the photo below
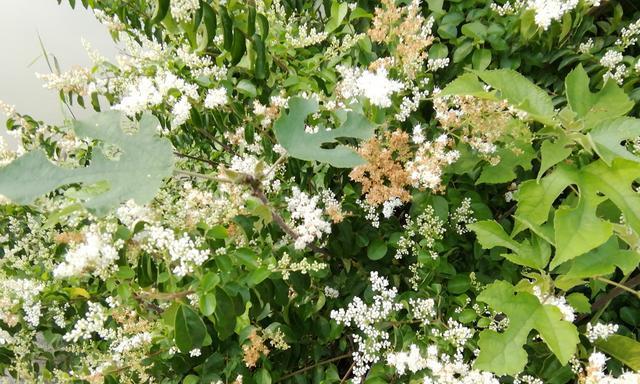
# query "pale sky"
(61, 29)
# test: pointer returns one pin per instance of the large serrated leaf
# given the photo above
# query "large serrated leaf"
(610, 102)
(503, 353)
(144, 161)
(521, 93)
(490, 234)
(603, 261)
(290, 132)
(609, 135)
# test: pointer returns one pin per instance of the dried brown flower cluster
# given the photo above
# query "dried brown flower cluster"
(482, 123)
(384, 176)
(406, 30)
(69, 238)
(254, 349)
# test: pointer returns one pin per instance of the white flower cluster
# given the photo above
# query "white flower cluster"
(285, 266)
(305, 37)
(444, 369)
(143, 93)
(96, 255)
(216, 98)
(124, 345)
(112, 23)
(307, 218)
(432, 156)
(462, 216)
(629, 35)
(595, 373)
(427, 225)
(130, 213)
(182, 251)
(411, 102)
(611, 59)
(389, 206)
(508, 8)
(375, 86)
(423, 309)
(74, 80)
(13, 292)
(372, 341)
(586, 47)
(600, 331)
(182, 10)
(457, 334)
(93, 322)
(568, 313)
(331, 293)
(547, 11)
(617, 71)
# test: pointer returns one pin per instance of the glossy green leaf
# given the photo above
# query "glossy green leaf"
(377, 249)
(190, 330)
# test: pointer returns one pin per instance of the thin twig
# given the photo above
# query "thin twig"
(257, 192)
(346, 375)
(200, 175)
(619, 286)
(602, 302)
(301, 370)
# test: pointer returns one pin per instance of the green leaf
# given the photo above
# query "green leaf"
(609, 135)
(481, 58)
(475, 30)
(579, 230)
(521, 93)
(603, 261)
(624, 349)
(610, 102)
(224, 314)
(552, 153)
(503, 353)
(338, 12)
(535, 199)
(290, 132)
(462, 51)
(467, 84)
(262, 376)
(377, 249)
(579, 302)
(190, 330)
(490, 234)
(134, 175)
(207, 304)
(503, 172)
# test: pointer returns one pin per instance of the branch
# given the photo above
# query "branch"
(257, 192)
(210, 162)
(301, 370)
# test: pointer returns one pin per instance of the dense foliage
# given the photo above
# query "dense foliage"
(438, 191)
